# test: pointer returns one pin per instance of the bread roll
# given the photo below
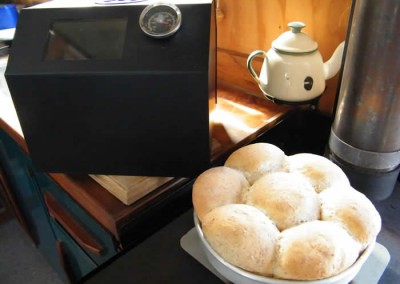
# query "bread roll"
(321, 172)
(295, 218)
(257, 159)
(287, 198)
(243, 236)
(215, 187)
(314, 250)
(354, 211)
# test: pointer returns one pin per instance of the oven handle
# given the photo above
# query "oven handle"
(75, 229)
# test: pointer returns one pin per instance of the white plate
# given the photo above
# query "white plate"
(7, 34)
(236, 275)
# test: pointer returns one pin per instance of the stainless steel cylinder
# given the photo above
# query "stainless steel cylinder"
(366, 129)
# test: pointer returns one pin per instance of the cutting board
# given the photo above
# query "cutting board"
(129, 189)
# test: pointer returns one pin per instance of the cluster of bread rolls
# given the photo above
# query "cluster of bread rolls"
(290, 217)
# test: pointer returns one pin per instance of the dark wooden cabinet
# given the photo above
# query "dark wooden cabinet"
(70, 239)
(94, 240)
(73, 260)
(20, 175)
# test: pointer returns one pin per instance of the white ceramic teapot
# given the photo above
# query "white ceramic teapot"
(293, 70)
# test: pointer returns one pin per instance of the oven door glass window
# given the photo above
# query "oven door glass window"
(86, 39)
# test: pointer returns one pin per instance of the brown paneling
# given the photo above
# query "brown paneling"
(29, 2)
(244, 26)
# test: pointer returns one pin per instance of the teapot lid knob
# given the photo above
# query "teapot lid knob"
(295, 41)
(296, 26)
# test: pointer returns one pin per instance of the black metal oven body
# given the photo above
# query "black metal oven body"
(126, 104)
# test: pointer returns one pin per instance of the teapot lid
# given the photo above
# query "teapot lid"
(295, 41)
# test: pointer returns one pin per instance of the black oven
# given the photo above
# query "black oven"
(124, 89)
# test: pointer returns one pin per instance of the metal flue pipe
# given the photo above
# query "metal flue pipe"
(365, 135)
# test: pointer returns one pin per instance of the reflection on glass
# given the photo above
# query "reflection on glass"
(86, 39)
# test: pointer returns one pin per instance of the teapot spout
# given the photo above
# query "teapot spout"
(332, 66)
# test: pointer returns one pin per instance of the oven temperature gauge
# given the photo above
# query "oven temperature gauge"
(160, 20)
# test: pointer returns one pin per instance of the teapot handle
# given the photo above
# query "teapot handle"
(250, 60)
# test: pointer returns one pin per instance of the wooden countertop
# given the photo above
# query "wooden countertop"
(237, 120)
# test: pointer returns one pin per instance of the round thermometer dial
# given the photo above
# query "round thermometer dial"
(160, 20)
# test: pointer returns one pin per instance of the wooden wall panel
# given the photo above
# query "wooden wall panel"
(244, 26)
(28, 3)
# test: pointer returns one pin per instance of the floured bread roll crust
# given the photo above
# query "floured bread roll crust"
(243, 236)
(288, 199)
(314, 250)
(256, 160)
(321, 172)
(353, 211)
(215, 187)
(291, 217)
